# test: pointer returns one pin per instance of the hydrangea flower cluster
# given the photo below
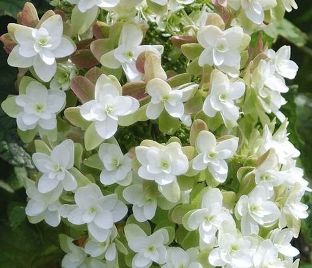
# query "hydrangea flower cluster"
(157, 133)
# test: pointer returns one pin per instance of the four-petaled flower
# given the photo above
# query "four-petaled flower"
(40, 47)
(210, 216)
(222, 97)
(148, 249)
(162, 164)
(117, 167)
(212, 154)
(97, 211)
(256, 209)
(144, 208)
(222, 48)
(38, 107)
(55, 168)
(108, 106)
(128, 51)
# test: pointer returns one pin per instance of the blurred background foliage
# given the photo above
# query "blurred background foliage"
(23, 245)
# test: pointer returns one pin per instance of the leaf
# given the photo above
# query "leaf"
(192, 51)
(91, 138)
(287, 30)
(168, 124)
(138, 116)
(72, 114)
(82, 88)
(11, 7)
(81, 22)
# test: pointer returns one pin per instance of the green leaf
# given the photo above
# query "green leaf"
(287, 30)
(168, 124)
(94, 161)
(11, 7)
(81, 22)
(138, 116)
(27, 136)
(192, 51)
(9, 107)
(91, 138)
(72, 114)
(78, 155)
(42, 147)
(82, 180)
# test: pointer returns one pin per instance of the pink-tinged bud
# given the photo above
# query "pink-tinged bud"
(8, 43)
(28, 16)
(82, 88)
(140, 62)
(180, 40)
(135, 90)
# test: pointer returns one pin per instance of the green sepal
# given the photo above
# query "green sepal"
(72, 114)
(91, 138)
(168, 124)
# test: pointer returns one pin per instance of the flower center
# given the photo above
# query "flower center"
(265, 177)
(115, 163)
(151, 248)
(56, 167)
(164, 164)
(234, 247)
(109, 109)
(223, 97)
(209, 218)
(92, 210)
(222, 45)
(254, 208)
(129, 54)
(212, 155)
(39, 107)
(43, 41)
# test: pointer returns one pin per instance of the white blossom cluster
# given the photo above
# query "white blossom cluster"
(229, 195)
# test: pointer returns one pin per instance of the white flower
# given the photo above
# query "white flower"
(40, 47)
(282, 241)
(107, 248)
(256, 209)
(85, 5)
(144, 207)
(292, 209)
(162, 164)
(233, 251)
(222, 48)
(177, 258)
(38, 107)
(108, 106)
(97, 211)
(289, 5)
(43, 206)
(117, 167)
(279, 141)
(267, 256)
(127, 52)
(269, 86)
(253, 9)
(76, 257)
(55, 168)
(148, 249)
(212, 154)
(268, 174)
(210, 216)
(283, 65)
(222, 96)
(163, 97)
